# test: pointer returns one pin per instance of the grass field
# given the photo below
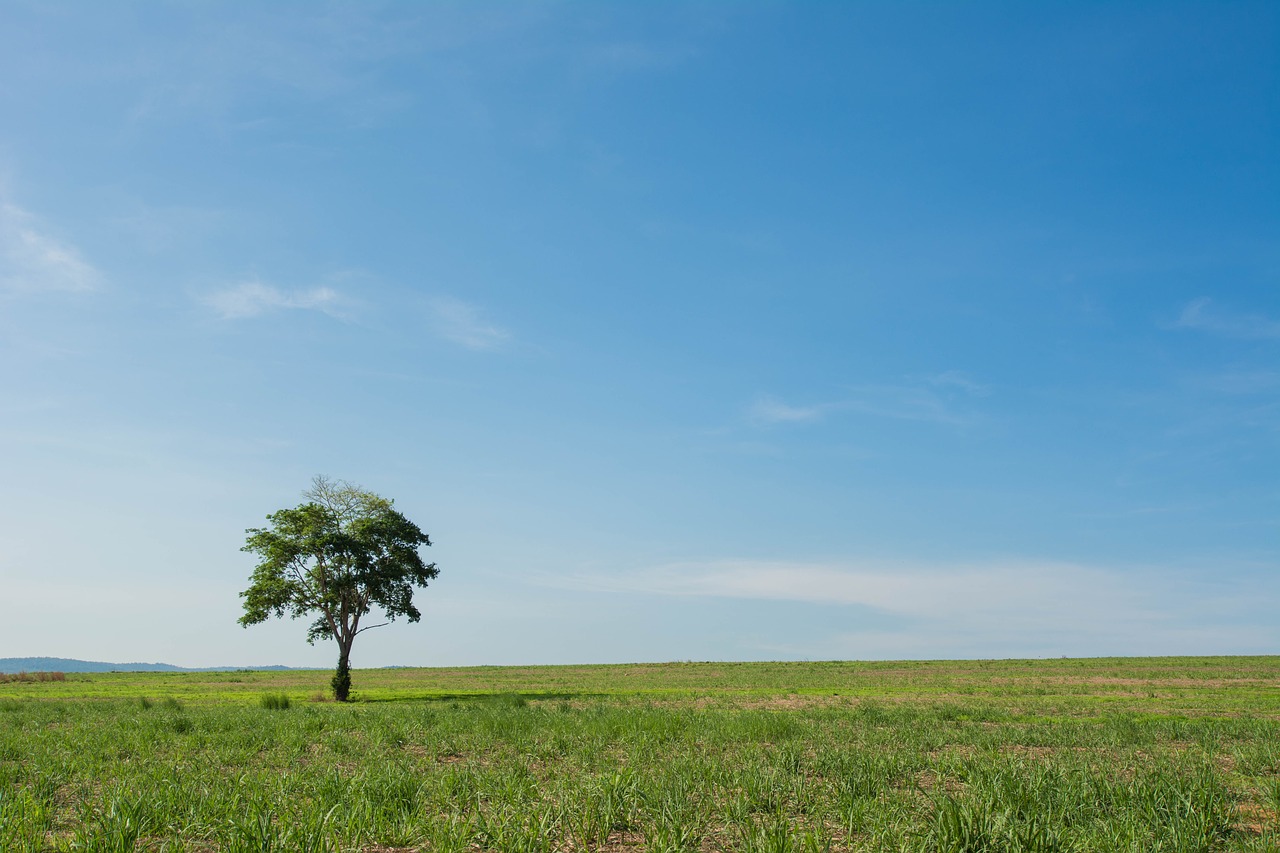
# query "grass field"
(1152, 754)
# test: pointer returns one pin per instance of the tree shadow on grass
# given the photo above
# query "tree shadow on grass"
(503, 699)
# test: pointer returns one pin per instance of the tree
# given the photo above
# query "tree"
(336, 556)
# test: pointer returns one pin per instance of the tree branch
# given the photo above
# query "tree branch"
(301, 578)
(367, 627)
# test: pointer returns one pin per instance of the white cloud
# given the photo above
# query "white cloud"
(1201, 314)
(33, 261)
(909, 590)
(462, 323)
(972, 609)
(1240, 383)
(253, 298)
(771, 410)
(962, 381)
(901, 402)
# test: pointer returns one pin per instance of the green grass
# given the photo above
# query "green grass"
(275, 701)
(1177, 754)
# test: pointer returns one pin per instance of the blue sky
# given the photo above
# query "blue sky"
(688, 331)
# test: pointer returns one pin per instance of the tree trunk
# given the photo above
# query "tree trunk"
(342, 677)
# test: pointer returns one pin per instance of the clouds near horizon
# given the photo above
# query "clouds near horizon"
(1031, 606)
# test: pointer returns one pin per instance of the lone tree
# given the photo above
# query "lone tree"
(336, 556)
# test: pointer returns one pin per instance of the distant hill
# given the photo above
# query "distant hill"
(12, 665)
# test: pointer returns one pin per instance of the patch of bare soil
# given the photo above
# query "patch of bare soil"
(1254, 819)
(621, 841)
(959, 750)
(927, 780)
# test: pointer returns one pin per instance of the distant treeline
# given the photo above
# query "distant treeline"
(12, 666)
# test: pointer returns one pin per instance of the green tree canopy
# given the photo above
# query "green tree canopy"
(336, 557)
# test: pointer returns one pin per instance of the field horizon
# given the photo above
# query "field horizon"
(1207, 678)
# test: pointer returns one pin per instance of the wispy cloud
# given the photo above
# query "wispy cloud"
(1203, 315)
(771, 410)
(904, 402)
(1240, 382)
(933, 399)
(905, 589)
(34, 261)
(253, 298)
(463, 324)
(965, 608)
(960, 380)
